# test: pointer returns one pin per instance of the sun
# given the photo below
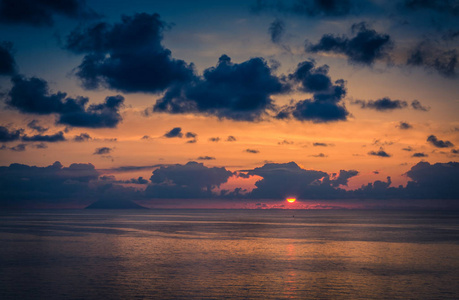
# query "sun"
(291, 200)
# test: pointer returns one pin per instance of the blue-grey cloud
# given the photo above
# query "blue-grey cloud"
(234, 91)
(10, 135)
(311, 8)
(253, 151)
(174, 133)
(276, 31)
(404, 125)
(192, 180)
(326, 104)
(34, 124)
(52, 138)
(419, 154)
(206, 157)
(380, 153)
(7, 61)
(366, 47)
(82, 137)
(102, 151)
(383, 104)
(41, 12)
(127, 56)
(431, 57)
(32, 95)
(415, 104)
(439, 143)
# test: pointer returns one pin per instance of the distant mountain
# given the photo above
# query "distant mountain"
(115, 204)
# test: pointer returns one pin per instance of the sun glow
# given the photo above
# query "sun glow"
(291, 200)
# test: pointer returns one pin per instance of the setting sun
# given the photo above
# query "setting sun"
(291, 200)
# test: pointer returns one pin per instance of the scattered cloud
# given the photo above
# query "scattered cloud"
(57, 137)
(174, 133)
(7, 135)
(365, 47)
(439, 143)
(419, 154)
(102, 151)
(206, 158)
(214, 139)
(380, 153)
(82, 137)
(231, 138)
(418, 106)
(254, 151)
(7, 62)
(404, 125)
(34, 124)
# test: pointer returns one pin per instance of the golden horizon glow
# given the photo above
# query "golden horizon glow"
(291, 200)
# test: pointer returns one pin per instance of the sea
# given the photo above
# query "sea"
(229, 254)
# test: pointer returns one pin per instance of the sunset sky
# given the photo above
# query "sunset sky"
(229, 104)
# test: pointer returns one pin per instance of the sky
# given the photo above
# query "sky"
(229, 104)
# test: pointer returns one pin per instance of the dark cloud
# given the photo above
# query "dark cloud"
(439, 143)
(41, 146)
(437, 181)
(366, 47)
(427, 55)
(102, 151)
(145, 137)
(33, 96)
(191, 135)
(455, 151)
(407, 149)
(320, 144)
(326, 104)
(254, 151)
(380, 153)
(82, 137)
(311, 8)
(192, 180)
(57, 137)
(214, 139)
(418, 106)
(40, 12)
(7, 135)
(404, 125)
(383, 104)
(230, 138)
(127, 56)
(318, 155)
(276, 31)
(285, 142)
(139, 180)
(19, 148)
(239, 92)
(174, 133)
(206, 158)
(442, 6)
(34, 124)
(343, 177)
(7, 62)
(419, 154)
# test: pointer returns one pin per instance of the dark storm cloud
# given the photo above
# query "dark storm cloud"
(7, 62)
(206, 158)
(40, 12)
(192, 180)
(366, 47)
(57, 137)
(429, 56)
(34, 124)
(102, 151)
(276, 31)
(10, 135)
(326, 104)
(174, 133)
(442, 6)
(419, 154)
(127, 56)
(82, 137)
(437, 181)
(32, 95)
(311, 8)
(404, 125)
(439, 143)
(383, 104)
(380, 153)
(233, 91)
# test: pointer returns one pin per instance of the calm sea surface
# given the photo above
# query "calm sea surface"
(229, 254)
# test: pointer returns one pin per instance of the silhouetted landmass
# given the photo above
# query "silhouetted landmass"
(115, 204)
